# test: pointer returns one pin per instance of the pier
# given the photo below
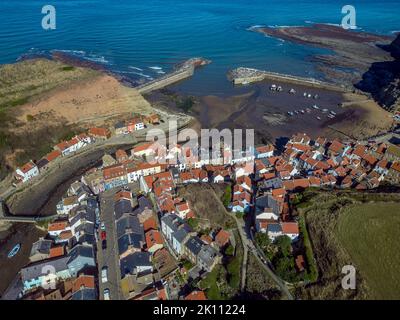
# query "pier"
(184, 71)
(241, 76)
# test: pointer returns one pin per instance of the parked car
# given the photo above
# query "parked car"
(104, 244)
(103, 235)
(103, 226)
(104, 272)
(106, 294)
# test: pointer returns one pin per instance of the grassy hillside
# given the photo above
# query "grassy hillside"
(20, 82)
(352, 228)
(369, 233)
(25, 82)
(43, 102)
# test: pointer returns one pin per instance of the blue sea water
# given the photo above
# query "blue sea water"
(143, 39)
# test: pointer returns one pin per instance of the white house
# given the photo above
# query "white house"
(290, 229)
(56, 228)
(27, 171)
(182, 209)
(265, 151)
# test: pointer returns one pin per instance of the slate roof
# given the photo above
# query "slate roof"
(266, 201)
(274, 183)
(80, 250)
(41, 246)
(34, 270)
(130, 262)
(194, 245)
(207, 254)
(84, 294)
(131, 239)
(180, 235)
(130, 223)
(274, 227)
(142, 204)
(122, 206)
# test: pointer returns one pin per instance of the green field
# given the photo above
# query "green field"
(369, 232)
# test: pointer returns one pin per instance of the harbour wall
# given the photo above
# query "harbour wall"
(266, 75)
(166, 80)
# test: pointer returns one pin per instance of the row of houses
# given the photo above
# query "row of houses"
(187, 245)
(65, 148)
(138, 241)
(63, 264)
(135, 124)
(305, 163)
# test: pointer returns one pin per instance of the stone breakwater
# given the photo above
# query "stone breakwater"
(183, 71)
(241, 75)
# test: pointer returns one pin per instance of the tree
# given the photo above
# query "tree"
(230, 250)
(263, 240)
(226, 198)
(284, 243)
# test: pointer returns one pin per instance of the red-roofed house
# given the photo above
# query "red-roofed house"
(154, 240)
(222, 238)
(290, 229)
(121, 155)
(182, 209)
(196, 295)
(100, 133)
(27, 171)
(265, 151)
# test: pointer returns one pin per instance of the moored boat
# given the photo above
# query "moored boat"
(14, 250)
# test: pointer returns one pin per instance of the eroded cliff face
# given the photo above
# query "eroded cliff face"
(382, 80)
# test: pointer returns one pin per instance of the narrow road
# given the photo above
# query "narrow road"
(248, 244)
(109, 257)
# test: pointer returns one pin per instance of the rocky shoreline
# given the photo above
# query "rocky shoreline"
(352, 52)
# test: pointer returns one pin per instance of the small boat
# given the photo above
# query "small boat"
(333, 113)
(331, 116)
(292, 91)
(296, 112)
(309, 95)
(325, 110)
(302, 111)
(290, 113)
(308, 110)
(14, 250)
(315, 96)
(315, 107)
(305, 94)
(318, 118)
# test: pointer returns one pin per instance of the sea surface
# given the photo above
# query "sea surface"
(144, 39)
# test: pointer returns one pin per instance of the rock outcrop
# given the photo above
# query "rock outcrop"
(382, 80)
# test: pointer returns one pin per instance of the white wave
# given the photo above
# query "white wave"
(135, 68)
(155, 68)
(257, 26)
(161, 72)
(281, 26)
(143, 75)
(99, 59)
(395, 31)
(74, 52)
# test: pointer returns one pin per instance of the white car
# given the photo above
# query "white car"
(103, 226)
(106, 294)
(104, 272)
